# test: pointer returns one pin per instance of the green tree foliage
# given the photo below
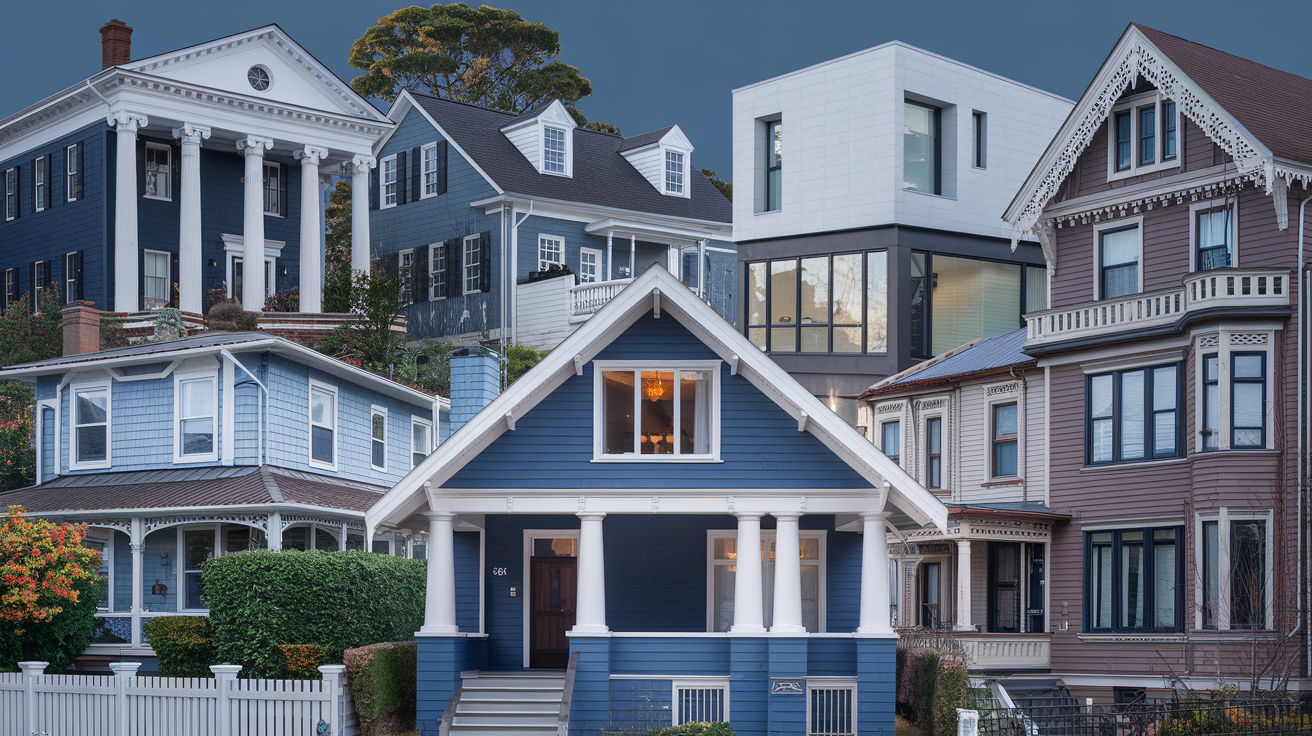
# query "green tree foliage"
(725, 187)
(484, 56)
(375, 299)
(336, 600)
(425, 364)
(519, 359)
(182, 645)
(17, 420)
(383, 685)
(25, 336)
(601, 127)
(337, 260)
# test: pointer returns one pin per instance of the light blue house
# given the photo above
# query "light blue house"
(174, 452)
(517, 228)
(607, 540)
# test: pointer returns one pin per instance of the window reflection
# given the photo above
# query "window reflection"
(819, 304)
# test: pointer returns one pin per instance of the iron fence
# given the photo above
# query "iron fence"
(1228, 717)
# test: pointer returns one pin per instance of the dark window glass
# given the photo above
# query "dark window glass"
(1132, 580)
(919, 306)
(1215, 233)
(1004, 440)
(1147, 135)
(890, 441)
(1248, 400)
(930, 595)
(774, 164)
(1168, 130)
(921, 148)
(1211, 565)
(1119, 261)
(1134, 415)
(934, 453)
(1123, 140)
(1004, 587)
(1248, 574)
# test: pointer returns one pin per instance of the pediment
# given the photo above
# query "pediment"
(676, 139)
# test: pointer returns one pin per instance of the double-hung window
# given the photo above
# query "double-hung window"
(91, 426)
(387, 182)
(1211, 414)
(40, 282)
(72, 182)
(551, 251)
(1142, 130)
(378, 438)
(159, 179)
(72, 276)
(1235, 557)
(1005, 442)
(1248, 400)
(1214, 231)
(553, 151)
(472, 265)
(661, 410)
(723, 561)
(273, 188)
(39, 184)
(1133, 415)
(1132, 579)
(421, 440)
(1168, 130)
(1118, 261)
(1123, 130)
(11, 286)
(921, 148)
(437, 271)
(323, 425)
(197, 404)
(934, 452)
(1147, 135)
(155, 270)
(774, 165)
(430, 169)
(890, 440)
(11, 193)
(673, 173)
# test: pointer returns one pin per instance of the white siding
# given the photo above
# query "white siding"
(651, 164)
(542, 313)
(1036, 479)
(529, 141)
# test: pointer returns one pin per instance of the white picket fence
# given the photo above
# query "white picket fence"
(123, 704)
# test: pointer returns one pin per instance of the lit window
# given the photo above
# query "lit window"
(658, 413)
(921, 148)
(723, 564)
(553, 151)
(91, 426)
(473, 264)
(551, 251)
(890, 440)
(1132, 580)
(159, 179)
(323, 425)
(421, 442)
(196, 414)
(272, 188)
(155, 270)
(1133, 415)
(387, 182)
(1005, 460)
(673, 172)
(774, 164)
(934, 452)
(378, 438)
(1236, 569)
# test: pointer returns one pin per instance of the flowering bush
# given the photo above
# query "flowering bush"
(303, 660)
(48, 591)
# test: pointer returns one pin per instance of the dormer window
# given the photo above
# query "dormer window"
(553, 151)
(673, 173)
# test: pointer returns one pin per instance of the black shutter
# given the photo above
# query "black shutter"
(419, 275)
(426, 252)
(141, 280)
(77, 263)
(77, 194)
(18, 193)
(173, 280)
(373, 188)
(485, 262)
(454, 282)
(33, 277)
(401, 169)
(282, 189)
(441, 167)
(31, 184)
(416, 174)
(50, 182)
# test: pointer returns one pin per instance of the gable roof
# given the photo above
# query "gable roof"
(645, 139)
(657, 289)
(973, 358)
(602, 176)
(1256, 114)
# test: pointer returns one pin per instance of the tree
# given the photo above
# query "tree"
(17, 417)
(25, 336)
(375, 299)
(725, 187)
(337, 246)
(484, 56)
(48, 591)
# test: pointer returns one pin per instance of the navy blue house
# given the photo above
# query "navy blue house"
(519, 227)
(656, 525)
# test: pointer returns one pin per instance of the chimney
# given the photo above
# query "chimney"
(475, 382)
(81, 326)
(115, 44)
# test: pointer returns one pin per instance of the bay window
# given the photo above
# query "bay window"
(1235, 558)
(1248, 400)
(1211, 419)
(1132, 579)
(723, 563)
(819, 304)
(657, 411)
(1133, 415)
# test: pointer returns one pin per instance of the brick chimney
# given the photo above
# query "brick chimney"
(115, 44)
(81, 326)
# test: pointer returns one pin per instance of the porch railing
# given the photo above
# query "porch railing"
(1229, 717)
(587, 299)
(985, 651)
(566, 696)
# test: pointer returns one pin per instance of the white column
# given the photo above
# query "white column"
(440, 601)
(275, 531)
(787, 576)
(137, 543)
(360, 211)
(874, 576)
(633, 254)
(748, 617)
(963, 587)
(127, 295)
(190, 297)
(610, 259)
(311, 287)
(252, 232)
(591, 604)
(701, 268)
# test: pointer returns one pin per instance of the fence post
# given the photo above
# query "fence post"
(334, 679)
(224, 675)
(122, 671)
(967, 722)
(31, 671)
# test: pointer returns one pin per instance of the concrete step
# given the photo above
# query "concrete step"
(518, 707)
(473, 695)
(514, 683)
(531, 720)
(502, 729)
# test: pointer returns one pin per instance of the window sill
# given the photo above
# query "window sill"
(375, 467)
(768, 212)
(674, 459)
(187, 459)
(1003, 482)
(930, 194)
(274, 214)
(157, 199)
(89, 466)
(1131, 464)
(1134, 171)
(323, 465)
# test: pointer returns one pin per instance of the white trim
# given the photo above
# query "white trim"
(180, 570)
(106, 538)
(554, 240)
(768, 536)
(990, 407)
(331, 390)
(477, 239)
(38, 199)
(376, 411)
(179, 378)
(598, 420)
(41, 406)
(1122, 224)
(382, 183)
(424, 172)
(75, 388)
(831, 684)
(70, 167)
(427, 425)
(1133, 523)
(568, 134)
(1213, 204)
(406, 102)
(168, 170)
(600, 255)
(527, 592)
(685, 178)
(687, 682)
(1223, 516)
(1134, 105)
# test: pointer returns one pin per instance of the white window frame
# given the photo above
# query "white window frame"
(377, 411)
(106, 537)
(71, 174)
(814, 684)
(11, 278)
(546, 243)
(699, 683)
(75, 389)
(181, 570)
(168, 170)
(70, 276)
(901, 441)
(427, 172)
(598, 424)
(428, 428)
(999, 398)
(264, 188)
(1117, 224)
(922, 449)
(680, 188)
(436, 253)
(566, 136)
(584, 276)
(1133, 104)
(39, 183)
(331, 390)
(466, 266)
(1224, 423)
(382, 183)
(1214, 204)
(147, 253)
(39, 288)
(1223, 516)
(179, 378)
(767, 536)
(11, 191)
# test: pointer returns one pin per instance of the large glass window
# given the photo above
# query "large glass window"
(323, 425)
(658, 414)
(774, 164)
(1134, 415)
(553, 151)
(1132, 580)
(1235, 574)
(197, 546)
(877, 302)
(819, 304)
(1215, 231)
(956, 300)
(1005, 461)
(1119, 261)
(934, 452)
(724, 567)
(91, 425)
(921, 148)
(196, 414)
(890, 440)
(1248, 400)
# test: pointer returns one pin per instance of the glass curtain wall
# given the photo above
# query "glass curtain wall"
(819, 304)
(956, 300)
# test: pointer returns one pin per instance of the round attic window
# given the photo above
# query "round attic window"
(258, 76)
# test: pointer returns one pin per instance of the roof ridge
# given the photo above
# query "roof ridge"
(432, 96)
(1214, 49)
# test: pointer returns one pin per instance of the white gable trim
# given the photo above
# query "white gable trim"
(657, 286)
(406, 102)
(1135, 56)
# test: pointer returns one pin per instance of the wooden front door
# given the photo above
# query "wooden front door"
(554, 587)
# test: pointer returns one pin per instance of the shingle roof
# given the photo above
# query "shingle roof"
(601, 175)
(1275, 106)
(988, 354)
(208, 338)
(646, 139)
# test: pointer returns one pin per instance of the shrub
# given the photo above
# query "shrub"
(951, 691)
(301, 661)
(284, 301)
(335, 600)
(382, 678)
(718, 728)
(923, 680)
(182, 645)
(27, 335)
(231, 317)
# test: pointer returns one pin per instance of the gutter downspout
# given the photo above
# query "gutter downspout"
(1302, 410)
(514, 276)
(264, 405)
(504, 301)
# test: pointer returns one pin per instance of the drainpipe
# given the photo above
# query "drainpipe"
(514, 273)
(1302, 410)
(503, 298)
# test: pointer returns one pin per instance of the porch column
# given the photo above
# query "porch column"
(190, 297)
(874, 575)
(591, 604)
(311, 286)
(440, 601)
(963, 587)
(252, 232)
(633, 254)
(610, 258)
(748, 617)
(127, 295)
(137, 543)
(701, 268)
(360, 166)
(787, 576)
(274, 540)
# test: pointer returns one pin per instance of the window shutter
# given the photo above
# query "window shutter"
(416, 174)
(33, 277)
(81, 176)
(31, 184)
(18, 191)
(441, 167)
(401, 169)
(141, 279)
(485, 262)
(77, 264)
(50, 181)
(419, 276)
(173, 280)
(373, 188)
(454, 268)
(426, 266)
(282, 189)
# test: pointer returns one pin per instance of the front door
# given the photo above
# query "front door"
(1004, 587)
(554, 584)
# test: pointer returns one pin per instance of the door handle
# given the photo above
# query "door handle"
(567, 610)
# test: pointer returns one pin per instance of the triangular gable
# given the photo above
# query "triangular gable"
(1134, 56)
(657, 291)
(296, 76)
(405, 102)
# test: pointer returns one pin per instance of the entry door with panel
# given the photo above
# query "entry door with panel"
(553, 590)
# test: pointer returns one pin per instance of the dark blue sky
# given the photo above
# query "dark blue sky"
(676, 61)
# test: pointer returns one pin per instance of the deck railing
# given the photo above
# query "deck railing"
(587, 299)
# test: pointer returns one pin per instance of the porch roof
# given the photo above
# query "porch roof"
(1017, 510)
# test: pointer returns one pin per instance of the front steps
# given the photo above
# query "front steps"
(515, 702)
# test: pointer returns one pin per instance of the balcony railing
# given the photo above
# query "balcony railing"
(586, 299)
(1224, 288)
(987, 651)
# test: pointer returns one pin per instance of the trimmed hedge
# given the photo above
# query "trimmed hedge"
(719, 728)
(383, 685)
(951, 691)
(930, 687)
(334, 600)
(182, 645)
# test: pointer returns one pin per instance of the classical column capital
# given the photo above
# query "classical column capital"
(875, 514)
(440, 515)
(591, 515)
(192, 133)
(311, 154)
(254, 145)
(788, 515)
(748, 514)
(127, 121)
(363, 163)
(137, 548)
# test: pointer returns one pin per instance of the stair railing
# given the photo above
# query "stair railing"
(562, 720)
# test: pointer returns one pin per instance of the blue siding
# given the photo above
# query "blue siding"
(843, 581)
(641, 704)
(162, 569)
(440, 662)
(467, 557)
(47, 419)
(123, 573)
(505, 613)
(551, 446)
(142, 423)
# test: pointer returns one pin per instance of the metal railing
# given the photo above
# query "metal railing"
(1228, 717)
(831, 707)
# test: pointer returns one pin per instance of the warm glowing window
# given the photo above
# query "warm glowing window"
(658, 412)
